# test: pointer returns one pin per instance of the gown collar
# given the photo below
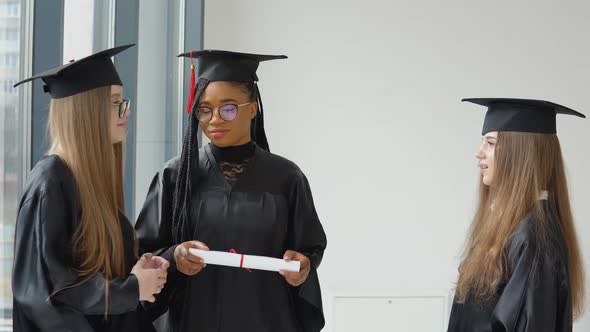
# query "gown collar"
(233, 154)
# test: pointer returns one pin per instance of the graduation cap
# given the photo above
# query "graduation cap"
(91, 72)
(521, 115)
(213, 65)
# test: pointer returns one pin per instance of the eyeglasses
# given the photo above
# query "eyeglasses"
(123, 106)
(227, 112)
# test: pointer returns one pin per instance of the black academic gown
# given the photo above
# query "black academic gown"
(536, 295)
(268, 211)
(49, 213)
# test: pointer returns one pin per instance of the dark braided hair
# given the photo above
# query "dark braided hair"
(188, 167)
(189, 158)
(257, 125)
(249, 88)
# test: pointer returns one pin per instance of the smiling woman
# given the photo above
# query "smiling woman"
(233, 194)
(225, 111)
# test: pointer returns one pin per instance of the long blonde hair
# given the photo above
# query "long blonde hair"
(525, 165)
(79, 127)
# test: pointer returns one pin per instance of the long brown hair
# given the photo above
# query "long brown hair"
(79, 127)
(525, 165)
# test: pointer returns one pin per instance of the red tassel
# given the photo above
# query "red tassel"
(191, 96)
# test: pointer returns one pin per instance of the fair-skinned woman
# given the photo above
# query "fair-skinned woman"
(76, 266)
(522, 269)
(233, 194)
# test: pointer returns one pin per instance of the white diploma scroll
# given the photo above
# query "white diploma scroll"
(246, 261)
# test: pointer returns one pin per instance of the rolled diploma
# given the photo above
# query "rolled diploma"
(248, 262)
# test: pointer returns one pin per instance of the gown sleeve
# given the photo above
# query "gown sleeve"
(153, 228)
(43, 264)
(535, 298)
(306, 235)
(154, 223)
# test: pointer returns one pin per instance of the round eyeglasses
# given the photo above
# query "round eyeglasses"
(123, 106)
(227, 112)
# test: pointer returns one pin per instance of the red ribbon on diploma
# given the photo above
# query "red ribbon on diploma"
(233, 251)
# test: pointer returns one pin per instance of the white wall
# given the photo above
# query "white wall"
(78, 29)
(368, 106)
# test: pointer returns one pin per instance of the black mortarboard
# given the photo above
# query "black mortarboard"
(521, 115)
(91, 72)
(216, 65)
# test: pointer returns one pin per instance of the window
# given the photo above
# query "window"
(13, 9)
(7, 87)
(11, 164)
(9, 60)
(10, 8)
(11, 34)
(12, 60)
(78, 31)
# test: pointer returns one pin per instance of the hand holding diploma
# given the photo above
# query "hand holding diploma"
(186, 262)
(296, 278)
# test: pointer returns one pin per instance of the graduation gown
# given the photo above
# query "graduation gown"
(535, 297)
(49, 213)
(268, 211)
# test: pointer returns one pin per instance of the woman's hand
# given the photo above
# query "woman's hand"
(151, 280)
(296, 278)
(186, 262)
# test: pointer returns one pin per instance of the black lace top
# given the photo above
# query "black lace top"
(233, 160)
